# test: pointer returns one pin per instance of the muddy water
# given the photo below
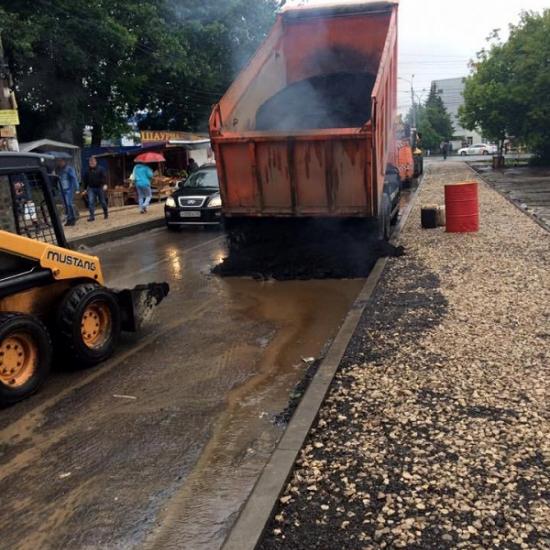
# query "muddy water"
(305, 316)
(160, 446)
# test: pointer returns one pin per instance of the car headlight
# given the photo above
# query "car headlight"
(215, 201)
(171, 202)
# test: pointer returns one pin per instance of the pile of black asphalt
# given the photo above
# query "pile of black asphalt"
(340, 100)
(336, 257)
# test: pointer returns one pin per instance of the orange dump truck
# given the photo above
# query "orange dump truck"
(405, 161)
(307, 128)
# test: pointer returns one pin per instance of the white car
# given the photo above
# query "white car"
(479, 149)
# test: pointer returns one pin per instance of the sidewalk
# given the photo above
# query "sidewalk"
(122, 222)
(526, 186)
(436, 431)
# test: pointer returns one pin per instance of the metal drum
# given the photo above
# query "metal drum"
(462, 207)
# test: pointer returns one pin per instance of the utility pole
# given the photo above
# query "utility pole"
(9, 117)
(413, 103)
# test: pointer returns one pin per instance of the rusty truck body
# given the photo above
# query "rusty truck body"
(307, 128)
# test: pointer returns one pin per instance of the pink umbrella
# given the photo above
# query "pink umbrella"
(148, 158)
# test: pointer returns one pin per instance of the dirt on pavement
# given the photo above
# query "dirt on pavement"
(160, 446)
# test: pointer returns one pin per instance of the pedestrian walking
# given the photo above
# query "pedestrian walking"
(95, 185)
(445, 149)
(192, 166)
(143, 176)
(69, 186)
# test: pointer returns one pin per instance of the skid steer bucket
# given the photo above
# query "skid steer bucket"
(137, 304)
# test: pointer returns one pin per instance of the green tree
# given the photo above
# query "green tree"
(507, 94)
(437, 115)
(430, 138)
(80, 63)
(219, 39)
(96, 63)
(432, 121)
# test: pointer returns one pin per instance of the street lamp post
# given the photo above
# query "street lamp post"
(411, 82)
(413, 103)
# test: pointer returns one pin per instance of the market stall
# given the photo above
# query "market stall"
(119, 164)
(50, 146)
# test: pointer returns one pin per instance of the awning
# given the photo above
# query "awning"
(191, 145)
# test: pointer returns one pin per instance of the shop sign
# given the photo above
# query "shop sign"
(9, 117)
(161, 136)
(8, 132)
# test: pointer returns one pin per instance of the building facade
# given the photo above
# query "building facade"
(451, 92)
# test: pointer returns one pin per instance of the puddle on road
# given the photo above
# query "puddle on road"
(176, 464)
(306, 313)
(305, 317)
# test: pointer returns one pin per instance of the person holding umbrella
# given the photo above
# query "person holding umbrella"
(143, 177)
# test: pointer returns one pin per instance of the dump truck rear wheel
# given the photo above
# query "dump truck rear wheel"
(88, 324)
(25, 356)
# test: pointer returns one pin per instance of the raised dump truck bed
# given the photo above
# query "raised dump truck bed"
(307, 128)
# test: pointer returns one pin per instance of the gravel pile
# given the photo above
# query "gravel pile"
(436, 431)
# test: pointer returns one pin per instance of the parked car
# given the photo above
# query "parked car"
(197, 200)
(479, 149)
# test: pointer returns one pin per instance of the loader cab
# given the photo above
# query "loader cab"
(52, 297)
(27, 206)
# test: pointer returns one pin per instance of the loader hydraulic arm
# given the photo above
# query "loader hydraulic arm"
(64, 264)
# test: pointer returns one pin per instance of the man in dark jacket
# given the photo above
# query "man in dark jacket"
(95, 183)
(192, 166)
(445, 149)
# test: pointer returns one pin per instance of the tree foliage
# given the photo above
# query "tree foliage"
(432, 121)
(508, 92)
(96, 63)
(219, 39)
(437, 115)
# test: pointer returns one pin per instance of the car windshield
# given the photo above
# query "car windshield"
(202, 179)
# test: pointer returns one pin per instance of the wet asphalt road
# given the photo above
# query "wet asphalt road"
(159, 447)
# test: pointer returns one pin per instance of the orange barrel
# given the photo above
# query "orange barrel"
(462, 207)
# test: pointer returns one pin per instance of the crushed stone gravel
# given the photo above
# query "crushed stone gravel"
(436, 431)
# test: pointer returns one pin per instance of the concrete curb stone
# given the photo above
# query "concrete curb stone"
(119, 233)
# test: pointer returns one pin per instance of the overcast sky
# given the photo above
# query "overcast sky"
(437, 38)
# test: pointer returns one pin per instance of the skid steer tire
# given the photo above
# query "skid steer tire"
(25, 356)
(88, 325)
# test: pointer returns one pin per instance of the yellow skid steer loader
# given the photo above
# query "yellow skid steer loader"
(51, 297)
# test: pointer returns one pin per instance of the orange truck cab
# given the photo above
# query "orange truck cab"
(307, 130)
(405, 161)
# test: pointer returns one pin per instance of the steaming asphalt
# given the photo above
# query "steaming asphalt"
(160, 446)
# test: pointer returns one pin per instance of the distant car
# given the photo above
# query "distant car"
(479, 149)
(197, 200)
